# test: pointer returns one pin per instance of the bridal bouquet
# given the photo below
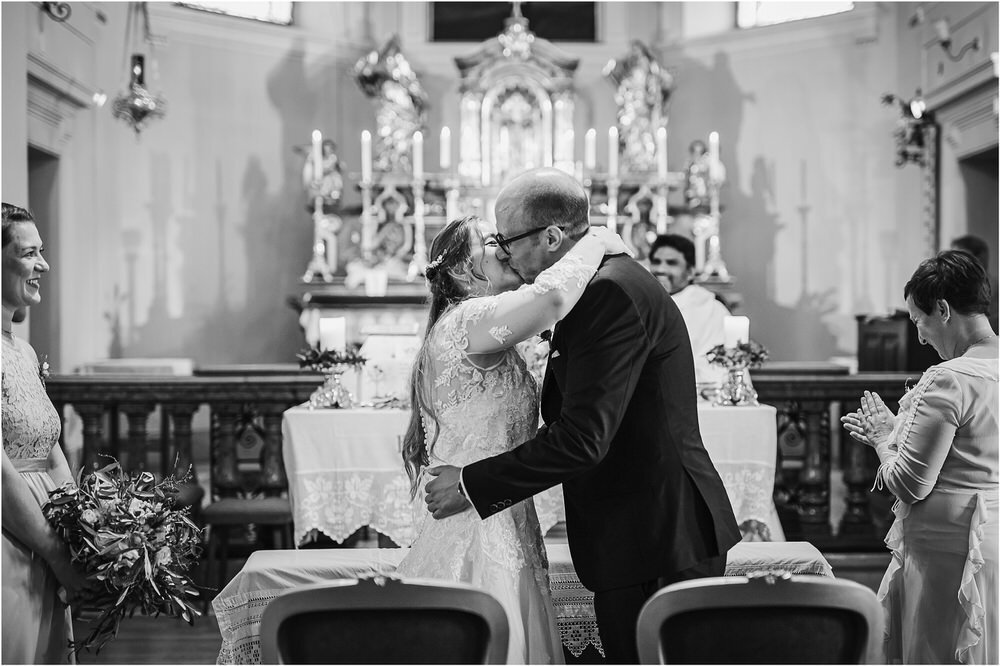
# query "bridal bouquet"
(124, 533)
(744, 355)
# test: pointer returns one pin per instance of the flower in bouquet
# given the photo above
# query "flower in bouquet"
(314, 358)
(126, 536)
(744, 355)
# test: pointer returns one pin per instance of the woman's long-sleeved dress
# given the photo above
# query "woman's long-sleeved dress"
(940, 592)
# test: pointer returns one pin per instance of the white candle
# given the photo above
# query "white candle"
(317, 155)
(333, 333)
(418, 154)
(736, 330)
(661, 153)
(366, 156)
(590, 149)
(570, 138)
(613, 152)
(445, 148)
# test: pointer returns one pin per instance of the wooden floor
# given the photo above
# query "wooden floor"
(161, 640)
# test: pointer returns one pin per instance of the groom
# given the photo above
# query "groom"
(645, 506)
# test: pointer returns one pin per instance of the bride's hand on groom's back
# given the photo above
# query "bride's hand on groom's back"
(613, 243)
(443, 495)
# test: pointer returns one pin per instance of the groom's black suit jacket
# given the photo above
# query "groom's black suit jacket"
(643, 499)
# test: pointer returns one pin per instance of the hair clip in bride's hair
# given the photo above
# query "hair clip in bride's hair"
(434, 264)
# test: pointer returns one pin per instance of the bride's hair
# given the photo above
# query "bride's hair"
(448, 279)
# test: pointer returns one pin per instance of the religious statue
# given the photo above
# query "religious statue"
(643, 90)
(329, 186)
(323, 182)
(401, 104)
(697, 177)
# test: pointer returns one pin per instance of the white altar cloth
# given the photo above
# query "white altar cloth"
(268, 573)
(344, 471)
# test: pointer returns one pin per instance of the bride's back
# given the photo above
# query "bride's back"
(485, 403)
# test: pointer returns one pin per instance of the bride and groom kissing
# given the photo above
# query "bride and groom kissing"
(645, 506)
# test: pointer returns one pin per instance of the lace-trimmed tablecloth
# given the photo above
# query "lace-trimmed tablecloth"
(345, 472)
(268, 573)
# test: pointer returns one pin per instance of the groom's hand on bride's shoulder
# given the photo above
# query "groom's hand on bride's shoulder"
(443, 493)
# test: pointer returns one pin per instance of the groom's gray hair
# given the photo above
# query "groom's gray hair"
(549, 196)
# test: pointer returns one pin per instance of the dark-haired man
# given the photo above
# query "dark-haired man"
(672, 262)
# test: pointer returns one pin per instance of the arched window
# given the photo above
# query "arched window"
(752, 14)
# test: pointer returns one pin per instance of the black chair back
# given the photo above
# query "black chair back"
(770, 619)
(384, 621)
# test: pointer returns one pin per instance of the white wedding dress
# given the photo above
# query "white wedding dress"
(486, 404)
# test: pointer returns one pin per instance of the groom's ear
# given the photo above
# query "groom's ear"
(554, 239)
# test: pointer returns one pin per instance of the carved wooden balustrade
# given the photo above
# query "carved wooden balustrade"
(235, 403)
(808, 406)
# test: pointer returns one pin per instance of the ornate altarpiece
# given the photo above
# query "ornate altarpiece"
(516, 113)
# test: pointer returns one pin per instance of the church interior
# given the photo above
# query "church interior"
(221, 186)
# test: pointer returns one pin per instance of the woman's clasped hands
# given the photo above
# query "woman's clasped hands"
(872, 423)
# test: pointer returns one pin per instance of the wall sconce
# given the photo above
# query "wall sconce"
(943, 30)
(911, 131)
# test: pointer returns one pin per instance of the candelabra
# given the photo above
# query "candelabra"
(318, 266)
(367, 221)
(419, 261)
(613, 186)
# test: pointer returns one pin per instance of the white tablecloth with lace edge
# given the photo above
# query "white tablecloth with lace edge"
(345, 472)
(268, 573)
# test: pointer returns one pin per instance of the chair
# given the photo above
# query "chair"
(248, 489)
(775, 618)
(381, 620)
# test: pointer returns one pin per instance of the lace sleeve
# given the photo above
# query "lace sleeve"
(493, 323)
(923, 435)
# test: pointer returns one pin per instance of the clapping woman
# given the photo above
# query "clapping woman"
(939, 457)
(36, 562)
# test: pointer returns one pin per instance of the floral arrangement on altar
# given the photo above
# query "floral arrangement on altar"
(323, 360)
(125, 535)
(744, 355)
(333, 363)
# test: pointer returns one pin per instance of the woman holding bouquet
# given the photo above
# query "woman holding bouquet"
(36, 561)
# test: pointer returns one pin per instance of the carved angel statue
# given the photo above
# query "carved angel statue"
(400, 104)
(643, 90)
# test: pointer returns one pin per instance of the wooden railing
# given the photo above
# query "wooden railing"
(808, 406)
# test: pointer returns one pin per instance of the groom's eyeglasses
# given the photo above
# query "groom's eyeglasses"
(505, 242)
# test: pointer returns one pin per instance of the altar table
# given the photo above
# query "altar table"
(268, 573)
(345, 471)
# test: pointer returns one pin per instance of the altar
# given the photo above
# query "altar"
(345, 472)
(517, 111)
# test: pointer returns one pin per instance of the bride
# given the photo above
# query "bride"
(473, 397)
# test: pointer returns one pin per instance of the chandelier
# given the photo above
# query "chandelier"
(136, 104)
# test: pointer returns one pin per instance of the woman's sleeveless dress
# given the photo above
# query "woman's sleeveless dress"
(36, 626)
